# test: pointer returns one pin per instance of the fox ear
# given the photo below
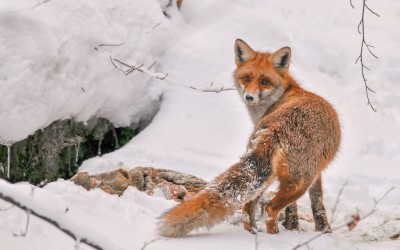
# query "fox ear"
(243, 52)
(281, 58)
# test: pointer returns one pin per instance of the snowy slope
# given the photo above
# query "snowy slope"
(195, 132)
(55, 64)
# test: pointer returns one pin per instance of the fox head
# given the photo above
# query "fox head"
(261, 77)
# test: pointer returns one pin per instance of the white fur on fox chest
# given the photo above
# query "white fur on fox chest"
(256, 112)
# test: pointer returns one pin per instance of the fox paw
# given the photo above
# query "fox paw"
(323, 228)
(291, 222)
(322, 224)
(272, 227)
(251, 229)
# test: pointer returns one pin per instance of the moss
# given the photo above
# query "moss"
(126, 134)
(51, 153)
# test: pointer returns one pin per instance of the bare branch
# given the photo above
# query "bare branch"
(39, 4)
(356, 219)
(333, 216)
(126, 72)
(369, 50)
(365, 67)
(6, 209)
(359, 27)
(138, 68)
(395, 236)
(373, 12)
(49, 220)
(213, 90)
(109, 45)
(147, 243)
(151, 66)
(361, 31)
(112, 61)
(160, 76)
(376, 203)
(23, 233)
(152, 28)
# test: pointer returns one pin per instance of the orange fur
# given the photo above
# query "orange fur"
(296, 135)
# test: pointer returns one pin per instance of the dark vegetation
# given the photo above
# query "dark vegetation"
(59, 149)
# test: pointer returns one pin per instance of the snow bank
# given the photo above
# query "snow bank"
(56, 65)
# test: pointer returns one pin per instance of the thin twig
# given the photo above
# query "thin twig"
(160, 76)
(109, 45)
(23, 234)
(6, 209)
(151, 66)
(212, 90)
(372, 211)
(152, 28)
(360, 58)
(39, 4)
(49, 220)
(112, 61)
(376, 202)
(147, 243)
(333, 216)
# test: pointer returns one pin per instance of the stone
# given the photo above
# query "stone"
(173, 184)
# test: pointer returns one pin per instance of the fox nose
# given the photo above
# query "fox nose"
(249, 98)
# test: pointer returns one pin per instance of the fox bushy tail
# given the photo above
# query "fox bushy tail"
(205, 210)
(226, 193)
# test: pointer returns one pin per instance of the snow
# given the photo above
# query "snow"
(63, 71)
(51, 70)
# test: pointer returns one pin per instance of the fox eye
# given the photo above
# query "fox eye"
(264, 82)
(247, 79)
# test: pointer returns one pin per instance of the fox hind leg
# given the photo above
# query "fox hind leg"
(291, 221)
(318, 208)
(289, 191)
(249, 212)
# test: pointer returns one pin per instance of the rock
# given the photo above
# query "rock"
(174, 185)
(115, 182)
(172, 191)
(137, 179)
(83, 179)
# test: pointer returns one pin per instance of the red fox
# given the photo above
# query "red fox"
(297, 134)
(257, 99)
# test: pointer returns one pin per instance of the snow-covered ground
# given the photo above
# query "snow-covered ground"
(53, 67)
